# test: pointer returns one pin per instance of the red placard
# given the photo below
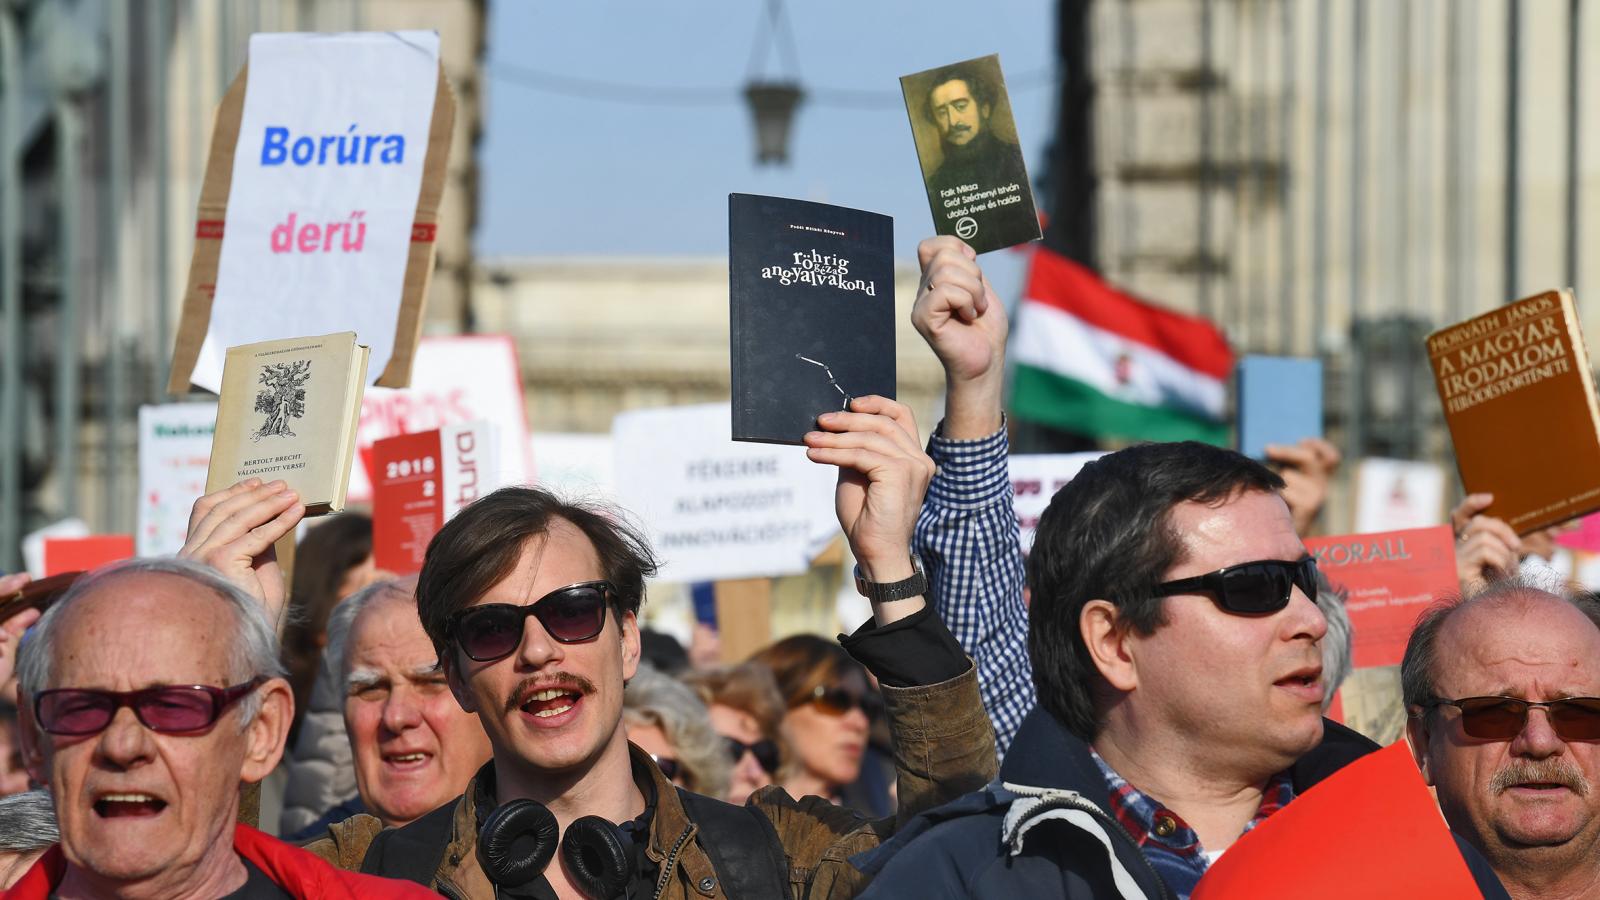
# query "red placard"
(407, 500)
(85, 553)
(1368, 830)
(1391, 577)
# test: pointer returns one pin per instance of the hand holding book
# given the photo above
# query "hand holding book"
(235, 530)
(958, 314)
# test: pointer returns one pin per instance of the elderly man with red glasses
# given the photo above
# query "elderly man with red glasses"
(1503, 688)
(150, 692)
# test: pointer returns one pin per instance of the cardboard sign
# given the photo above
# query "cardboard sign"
(716, 509)
(422, 481)
(455, 380)
(174, 454)
(1035, 478)
(81, 554)
(1394, 494)
(1370, 829)
(320, 201)
(1391, 578)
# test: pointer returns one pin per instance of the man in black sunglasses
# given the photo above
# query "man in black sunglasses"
(532, 605)
(1503, 690)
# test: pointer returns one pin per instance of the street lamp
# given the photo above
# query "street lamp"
(773, 103)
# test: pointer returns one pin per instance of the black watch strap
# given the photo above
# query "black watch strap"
(885, 591)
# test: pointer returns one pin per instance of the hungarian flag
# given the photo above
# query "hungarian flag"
(1093, 360)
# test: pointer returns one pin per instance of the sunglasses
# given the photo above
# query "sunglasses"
(1503, 718)
(765, 751)
(1252, 588)
(168, 709)
(570, 615)
(668, 766)
(837, 701)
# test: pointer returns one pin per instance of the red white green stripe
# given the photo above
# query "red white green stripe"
(1099, 362)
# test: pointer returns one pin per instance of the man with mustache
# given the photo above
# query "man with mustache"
(1502, 690)
(960, 103)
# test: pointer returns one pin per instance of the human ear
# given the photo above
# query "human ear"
(32, 742)
(268, 731)
(631, 645)
(1417, 737)
(1106, 635)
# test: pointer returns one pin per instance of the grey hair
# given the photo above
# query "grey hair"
(28, 822)
(255, 645)
(652, 698)
(1419, 668)
(343, 621)
(1336, 644)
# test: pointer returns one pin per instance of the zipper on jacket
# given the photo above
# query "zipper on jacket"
(671, 862)
(1079, 803)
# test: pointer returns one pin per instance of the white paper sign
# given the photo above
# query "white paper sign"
(174, 453)
(716, 509)
(454, 380)
(1035, 478)
(324, 191)
(1392, 494)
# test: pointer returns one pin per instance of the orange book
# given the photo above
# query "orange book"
(1519, 398)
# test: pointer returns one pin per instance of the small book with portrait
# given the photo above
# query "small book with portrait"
(289, 410)
(971, 157)
(811, 312)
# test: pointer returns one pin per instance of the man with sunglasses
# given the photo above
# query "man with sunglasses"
(1503, 690)
(152, 690)
(532, 606)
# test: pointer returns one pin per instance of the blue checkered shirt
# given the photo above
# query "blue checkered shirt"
(971, 549)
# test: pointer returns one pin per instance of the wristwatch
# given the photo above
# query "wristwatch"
(883, 592)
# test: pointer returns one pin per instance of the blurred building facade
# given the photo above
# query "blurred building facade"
(107, 112)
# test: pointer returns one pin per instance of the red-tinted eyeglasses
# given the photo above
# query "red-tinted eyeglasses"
(170, 709)
(570, 615)
(1503, 718)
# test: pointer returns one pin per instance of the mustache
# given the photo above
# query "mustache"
(533, 684)
(960, 128)
(1542, 771)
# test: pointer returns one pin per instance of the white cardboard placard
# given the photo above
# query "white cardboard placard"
(174, 454)
(1035, 478)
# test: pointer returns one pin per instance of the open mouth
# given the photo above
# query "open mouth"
(131, 804)
(550, 702)
(1305, 682)
(407, 760)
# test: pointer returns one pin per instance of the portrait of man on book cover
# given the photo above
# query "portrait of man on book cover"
(971, 160)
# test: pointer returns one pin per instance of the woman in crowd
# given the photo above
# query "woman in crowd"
(667, 721)
(829, 714)
(747, 710)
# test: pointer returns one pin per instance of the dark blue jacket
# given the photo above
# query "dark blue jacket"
(1044, 828)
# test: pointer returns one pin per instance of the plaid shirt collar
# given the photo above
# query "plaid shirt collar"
(1149, 822)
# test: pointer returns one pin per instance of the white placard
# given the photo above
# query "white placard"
(174, 453)
(454, 380)
(576, 465)
(1035, 478)
(324, 192)
(716, 509)
(1394, 494)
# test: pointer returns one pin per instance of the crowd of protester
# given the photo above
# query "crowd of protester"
(1104, 717)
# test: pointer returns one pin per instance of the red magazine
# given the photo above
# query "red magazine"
(85, 553)
(1391, 577)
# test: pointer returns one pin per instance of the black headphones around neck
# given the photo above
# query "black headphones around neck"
(517, 840)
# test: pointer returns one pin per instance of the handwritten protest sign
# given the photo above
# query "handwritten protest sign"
(455, 380)
(319, 207)
(716, 509)
(174, 453)
(1035, 478)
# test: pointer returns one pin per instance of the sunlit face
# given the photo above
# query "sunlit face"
(829, 745)
(415, 748)
(136, 806)
(748, 776)
(1246, 691)
(956, 112)
(1534, 793)
(551, 708)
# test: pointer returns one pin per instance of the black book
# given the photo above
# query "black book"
(811, 304)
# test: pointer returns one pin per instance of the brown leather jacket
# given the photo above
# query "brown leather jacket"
(943, 748)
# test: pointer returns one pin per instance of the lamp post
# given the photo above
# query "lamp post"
(773, 104)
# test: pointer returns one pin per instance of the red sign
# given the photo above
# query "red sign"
(1391, 578)
(407, 500)
(85, 553)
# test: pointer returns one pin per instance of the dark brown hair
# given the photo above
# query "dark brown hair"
(748, 687)
(480, 546)
(802, 662)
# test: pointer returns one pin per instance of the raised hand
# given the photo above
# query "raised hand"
(1486, 547)
(1307, 467)
(233, 531)
(958, 314)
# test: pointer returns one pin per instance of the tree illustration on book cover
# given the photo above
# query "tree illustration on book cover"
(282, 398)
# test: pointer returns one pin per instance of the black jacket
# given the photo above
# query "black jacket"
(1057, 837)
